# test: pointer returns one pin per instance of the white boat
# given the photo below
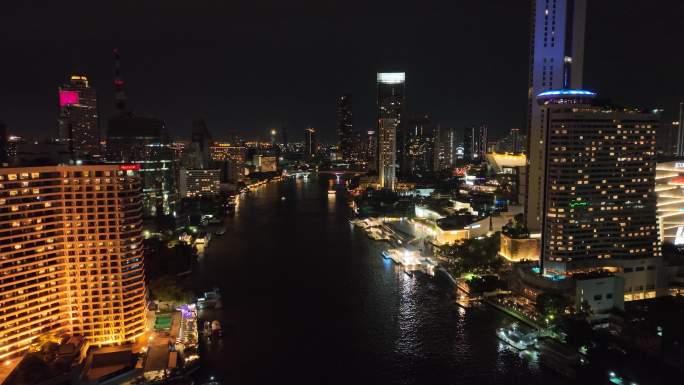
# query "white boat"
(220, 231)
(516, 339)
(209, 300)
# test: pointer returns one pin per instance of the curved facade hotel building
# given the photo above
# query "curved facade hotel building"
(70, 254)
(670, 190)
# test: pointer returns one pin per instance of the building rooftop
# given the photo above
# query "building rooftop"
(566, 92)
(456, 222)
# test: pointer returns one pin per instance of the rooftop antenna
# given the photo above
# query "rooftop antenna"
(119, 95)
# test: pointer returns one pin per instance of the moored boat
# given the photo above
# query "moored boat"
(515, 338)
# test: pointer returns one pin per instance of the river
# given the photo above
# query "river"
(308, 299)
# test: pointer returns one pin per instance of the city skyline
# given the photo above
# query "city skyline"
(183, 88)
(266, 192)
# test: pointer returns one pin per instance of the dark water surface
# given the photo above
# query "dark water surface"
(308, 299)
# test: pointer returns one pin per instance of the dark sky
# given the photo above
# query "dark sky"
(251, 65)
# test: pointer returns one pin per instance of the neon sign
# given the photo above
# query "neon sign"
(129, 167)
(68, 98)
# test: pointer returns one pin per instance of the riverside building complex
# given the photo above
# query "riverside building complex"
(599, 183)
(71, 255)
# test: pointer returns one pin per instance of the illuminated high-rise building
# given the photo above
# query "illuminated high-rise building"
(599, 200)
(446, 148)
(144, 141)
(72, 255)
(200, 183)
(78, 121)
(345, 132)
(419, 158)
(475, 142)
(230, 157)
(391, 106)
(371, 150)
(556, 61)
(513, 143)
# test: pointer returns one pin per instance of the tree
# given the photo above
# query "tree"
(168, 289)
(550, 304)
(486, 283)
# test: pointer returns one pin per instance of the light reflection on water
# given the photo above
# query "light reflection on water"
(408, 317)
(338, 313)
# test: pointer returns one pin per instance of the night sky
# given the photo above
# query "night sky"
(252, 65)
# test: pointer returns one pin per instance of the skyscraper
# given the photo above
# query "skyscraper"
(599, 199)
(556, 60)
(345, 132)
(371, 147)
(78, 118)
(513, 143)
(446, 145)
(420, 146)
(201, 137)
(310, 143)
(145, 142)
(72, 255)
(475, 142)
(391, 104)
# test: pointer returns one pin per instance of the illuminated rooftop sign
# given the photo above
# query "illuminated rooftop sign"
(129, 167)
(566, 92)
(68, 98)
(391, 77)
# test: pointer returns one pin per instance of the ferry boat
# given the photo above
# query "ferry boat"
(559, 358)
(212, 381)
(210, 299)
(360, 223)
(515, 338)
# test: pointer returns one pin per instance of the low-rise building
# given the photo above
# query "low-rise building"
(268, 164)
(600, 292)
(517, 249)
